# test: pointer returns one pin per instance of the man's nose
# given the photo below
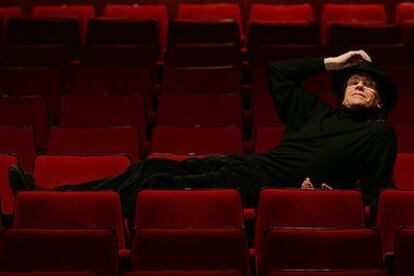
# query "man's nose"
(360, 85)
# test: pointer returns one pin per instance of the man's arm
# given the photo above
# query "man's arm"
(293, 103)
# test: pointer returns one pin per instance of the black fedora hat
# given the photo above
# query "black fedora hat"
(387, 88)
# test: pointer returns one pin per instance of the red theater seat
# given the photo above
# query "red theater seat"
(404, 11)
(188, 209)
(284, 208)
(331, 272)
(362, 14)
(295, 13)
(26, 111)
(6, 195)
(264, 112)
(142, 12)
(384, 43)
(182, 273)
(20, 142)
(202, 80)
(405, 136)
(122, 42)
(197, 140)
(401, 75)
(393, 212)
(48, 274)
(187, 250)
(81, 13)
(47, 55)
(70, 210)
(210, 12)
(40, 81)
(401, 114)
(114, 81)
(203, 43)
(290, 249)
(103, 141)
(55, 170)
(403, 250)
(33, 30)
(59, 250)
(200, 110)
(104, 111)
(5, 13)
(403, 176)
(267, 138)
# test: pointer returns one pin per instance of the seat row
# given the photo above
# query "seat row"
(365, 24)
(198, 230)
(298, 14)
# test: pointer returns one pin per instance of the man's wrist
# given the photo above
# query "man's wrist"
(329, 64)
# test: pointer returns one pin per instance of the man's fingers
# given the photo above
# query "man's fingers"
(326, 187)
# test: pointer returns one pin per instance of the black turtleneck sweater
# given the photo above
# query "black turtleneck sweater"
(337, 147)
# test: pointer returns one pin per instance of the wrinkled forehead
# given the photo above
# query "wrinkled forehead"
(362, 76)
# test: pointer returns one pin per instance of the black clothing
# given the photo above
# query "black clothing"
(337, 147)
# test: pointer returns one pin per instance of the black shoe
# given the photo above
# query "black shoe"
(19, 180)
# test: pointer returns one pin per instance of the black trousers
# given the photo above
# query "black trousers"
(211, 172)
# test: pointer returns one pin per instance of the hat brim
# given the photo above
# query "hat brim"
(388, 90)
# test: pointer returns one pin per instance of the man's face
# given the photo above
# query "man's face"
(362, 93)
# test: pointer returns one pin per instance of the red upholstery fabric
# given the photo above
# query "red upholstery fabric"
(173, 156)
(121, 56)
(282, 13)
(59, 250)
(203, 43)
(405, 136)
(18, 141)
(7, 197)
(35, 30)
(114, 81)
(70, 210)
(210, 12)
(401, 76)
(200, 110)
(402, 114)
(200, 31)
(202, 80)
(267, 138)
(285, 208)
(5, 13)
(349, 13)
(48, 274)
(142, 12)
(403, 176)
(104, 141)
(264, 112)
(189, 249)
(26, 111)
(403, 251)
(197, 140)
(362, 272)
(104, 111)
(53, 55)
(203, 55)
(82, 13)
(55, 170)
(188, 209)
(394, 211)
(43, 81)
(403, 12)
(183, 273)
(273, 33)
(321, 249)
